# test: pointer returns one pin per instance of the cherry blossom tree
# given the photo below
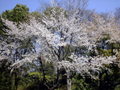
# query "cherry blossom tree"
(57, 35)
(101, 27)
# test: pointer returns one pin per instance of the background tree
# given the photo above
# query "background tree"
(20, 13)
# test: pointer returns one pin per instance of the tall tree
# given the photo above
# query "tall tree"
(20, 13)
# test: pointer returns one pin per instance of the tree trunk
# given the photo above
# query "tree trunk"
(69, 80)
(13, 81)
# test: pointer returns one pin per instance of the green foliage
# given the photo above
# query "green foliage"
(20, 13)
(106, 37)
(48, 12)
(77, 83)
(115, 46)
(28, 87)
(39, 76)
(27, 83)
(27, 45)
(5, 78)
(108, 52)
(37, 15)
(86, 83)
(110, 46)
(7, 15)
(110, 80)
(104, 52)
(49, 68)
(2, 26)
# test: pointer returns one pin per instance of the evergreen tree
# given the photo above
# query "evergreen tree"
(20, 13)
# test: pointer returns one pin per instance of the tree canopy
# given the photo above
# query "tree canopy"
(20, 13)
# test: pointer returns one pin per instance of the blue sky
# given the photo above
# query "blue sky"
(98, 5)
(103, 5)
